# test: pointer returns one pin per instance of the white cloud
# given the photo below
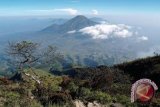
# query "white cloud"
(123, 33)
(143, 38)
(103, 22)
(105, 31)
(95, 12)
(70, 32)
(68, 10)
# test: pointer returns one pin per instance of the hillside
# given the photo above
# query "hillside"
(143, 68)
(101, 86)
(40, 80)
(117, 80)
(137, 69)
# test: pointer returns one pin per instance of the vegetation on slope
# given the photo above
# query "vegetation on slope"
(36, 85)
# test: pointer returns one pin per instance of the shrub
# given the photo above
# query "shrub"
(124, 100)
(102, 97)
(73, 89)
(12, 99)
(85, 93)
(156, 102)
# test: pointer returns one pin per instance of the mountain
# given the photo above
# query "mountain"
(81, 48)
(59, 21)
(75, 23)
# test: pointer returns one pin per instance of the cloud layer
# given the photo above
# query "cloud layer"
(105, 31)
(68, 10)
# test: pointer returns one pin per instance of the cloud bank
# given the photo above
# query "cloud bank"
(105, 31)
(68, 10)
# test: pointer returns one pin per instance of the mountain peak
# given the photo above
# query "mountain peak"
(75, 23)
(80, 16)
(79, 22)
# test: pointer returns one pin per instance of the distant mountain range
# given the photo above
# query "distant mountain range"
(80, 48)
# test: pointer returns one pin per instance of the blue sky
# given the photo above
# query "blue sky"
(73, 7)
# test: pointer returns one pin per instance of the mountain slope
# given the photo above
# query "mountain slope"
(143, 68)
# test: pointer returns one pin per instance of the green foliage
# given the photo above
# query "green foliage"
(119, 88)
(156, 102)
(85, 93)
(123, 100)
(35, 103)
(57, 66)
(60, 105)
(73, 88)
(142, 68)
(88, 95)
(12, 99)
(51, 82)
(101, 97)
(103, 84)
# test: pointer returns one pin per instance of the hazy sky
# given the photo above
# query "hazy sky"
(74, 7)
(142, 14)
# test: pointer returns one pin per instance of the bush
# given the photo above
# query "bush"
(73, 89)
(124, 100)
(88, 95)
(102, 97)
(118, 88)
(35, 103)
(85, 93)
(52, 83)
(12, 99)
(156, 102)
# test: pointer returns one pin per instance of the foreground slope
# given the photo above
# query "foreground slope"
(101, 85)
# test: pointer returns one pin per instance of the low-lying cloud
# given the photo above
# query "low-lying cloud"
(105, 31)
(143, 38)
(70, 32)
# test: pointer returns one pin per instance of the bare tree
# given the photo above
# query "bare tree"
(26, 54)
(51, 55)
(23, 53)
